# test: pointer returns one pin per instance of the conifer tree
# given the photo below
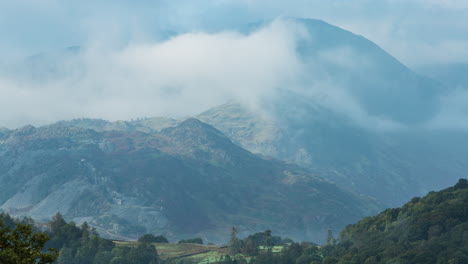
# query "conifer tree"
(234, 242)
(22, 246)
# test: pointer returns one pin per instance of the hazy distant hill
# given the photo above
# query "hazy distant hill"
(392, 167)
(185, 180)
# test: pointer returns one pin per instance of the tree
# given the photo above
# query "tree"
(461, 184)
(267, 239)
(192, 241)
(150, 238)
(62, 233)
(65, 256)
(57, 223)
(250, 249)
(330, 239)
(234, 242)
(22, 246)
(144, 253)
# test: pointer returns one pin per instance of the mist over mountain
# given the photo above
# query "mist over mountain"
(183, 74)
(252, 131)
(453, 75)
(390, 166)
(328, 100)
(304, 127)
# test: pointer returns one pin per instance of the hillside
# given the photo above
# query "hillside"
(146, 125)
(182, 181)
(390, 166)
(433, 229)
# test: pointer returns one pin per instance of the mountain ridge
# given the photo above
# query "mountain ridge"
(133, 182)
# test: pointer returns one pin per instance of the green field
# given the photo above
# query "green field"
(193, 253)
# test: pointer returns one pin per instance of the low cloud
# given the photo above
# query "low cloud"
(454, 112)
(189, 73)
(182, 76)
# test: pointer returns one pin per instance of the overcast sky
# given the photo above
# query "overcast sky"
(129, 71)
(411, 30)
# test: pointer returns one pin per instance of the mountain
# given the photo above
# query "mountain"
(390, 166)
(147, 125)
(355, 116)
(358, 117)
(359, 69)
(182, 181)
(433, 229)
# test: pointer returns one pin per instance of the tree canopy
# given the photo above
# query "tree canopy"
(21, 245)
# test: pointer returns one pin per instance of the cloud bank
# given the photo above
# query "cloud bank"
(182, 76)
(130, 69)
(417, 32)
(179, 77)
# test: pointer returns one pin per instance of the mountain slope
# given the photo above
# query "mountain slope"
(391, 166)
(146, 125)
(357, 117)
(433, 229)
(185, 180)
(382, 86)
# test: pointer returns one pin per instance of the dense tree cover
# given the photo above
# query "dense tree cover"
(433, 229)
(293, 253)
(82, 245)
(20, 244)
(77, 245)
(192, 241)
(267, 239)
(150, 238)
(250, 245)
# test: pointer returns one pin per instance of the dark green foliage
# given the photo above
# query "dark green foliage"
(429, 230)
(249, 248)
(433, 229)
(78, 245)
(149, 238)
(19, 244)
(267, 240)
(292, 254)
(143, 253)
(235, 244)
(192, 241)
(84, 246)
(230, 260)
(63, 234)
(266, 258)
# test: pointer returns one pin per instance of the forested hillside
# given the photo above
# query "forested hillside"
(429, 230)
(433, 229)
(75, 244)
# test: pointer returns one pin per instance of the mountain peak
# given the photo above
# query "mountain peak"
(197, 128)
(193, 122)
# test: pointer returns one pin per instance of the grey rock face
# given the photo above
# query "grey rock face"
(183, 181)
